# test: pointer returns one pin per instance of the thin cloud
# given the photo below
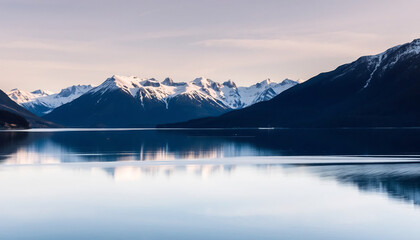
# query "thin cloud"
(45, 45)
(338, 44)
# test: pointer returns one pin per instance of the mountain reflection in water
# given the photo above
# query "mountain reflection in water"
(398, 181)
(73, 146)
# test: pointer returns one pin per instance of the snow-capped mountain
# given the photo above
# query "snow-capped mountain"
(12, 115)
(147, 102)
(226, 93)
(373, 91)
(41, 102)
(263, 91)
(22, 96)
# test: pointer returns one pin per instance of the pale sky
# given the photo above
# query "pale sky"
(53, 44)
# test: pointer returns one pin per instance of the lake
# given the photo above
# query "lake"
(210, 184)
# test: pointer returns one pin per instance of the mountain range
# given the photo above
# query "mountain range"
(122, 101)
(373, 91)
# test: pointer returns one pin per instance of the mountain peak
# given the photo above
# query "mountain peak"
(73, 90)
(289, 81)
(200, 80)
(124, 80)
(121, 82)
(168, 81)
(203, 82)
(19, 96)
(116, 76)
(264, 83)
(41, 92)
(229, 83)
(416, 42)
(150, 83)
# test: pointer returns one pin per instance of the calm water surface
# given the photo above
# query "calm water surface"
(210, 184)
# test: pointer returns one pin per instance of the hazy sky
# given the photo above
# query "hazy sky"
(52, 44)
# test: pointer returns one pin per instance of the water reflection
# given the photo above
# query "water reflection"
(47, 147)
(133, 173)
(125, 145)
(10, 142)
(398, 181)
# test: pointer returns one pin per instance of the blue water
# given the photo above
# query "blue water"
(218, 184)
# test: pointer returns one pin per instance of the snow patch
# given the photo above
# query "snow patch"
(380, 57)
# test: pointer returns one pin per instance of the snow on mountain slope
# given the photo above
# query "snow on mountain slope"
(153, 89)
(22, 96)
(227, 95)
(263, 91)
(41, 102)
(378, 64)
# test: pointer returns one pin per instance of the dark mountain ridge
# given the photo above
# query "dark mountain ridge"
(374, 91)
